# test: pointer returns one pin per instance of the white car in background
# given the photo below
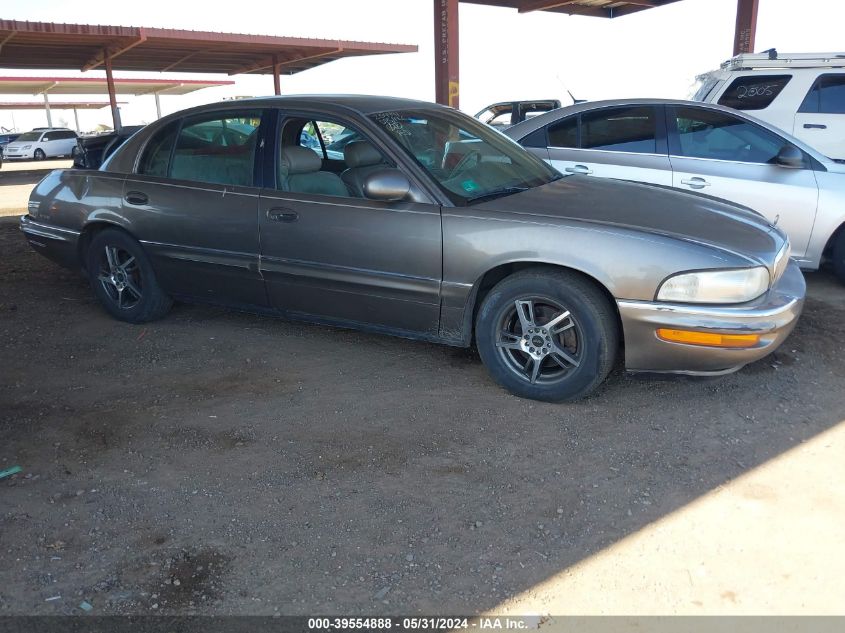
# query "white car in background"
(803, 94)
(42, 143)
(707, 149)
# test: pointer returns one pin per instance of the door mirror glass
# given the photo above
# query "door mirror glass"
(791, 157)
(387, 184)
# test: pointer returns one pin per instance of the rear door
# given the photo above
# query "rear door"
(820, 121)
(193, 204)
(625, 142)
(722, 155)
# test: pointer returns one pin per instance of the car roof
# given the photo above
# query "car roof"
(363, 104)
(524, 128)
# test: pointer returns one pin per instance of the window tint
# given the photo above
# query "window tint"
(155, 160)
(721, 136)
(564, 133)
(827, 96)
(753, 92)
(217, 149)
(69, 134)
(620, 130)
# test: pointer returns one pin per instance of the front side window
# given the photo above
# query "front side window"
(632, 129)
(721, 136)
(218, 149)
(753, 92)
(327, 158)
(468, 160)
(827, 96)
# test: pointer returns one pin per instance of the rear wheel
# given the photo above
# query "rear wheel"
(123, 279)
(39, 154)
(547, 335)
(839, 256)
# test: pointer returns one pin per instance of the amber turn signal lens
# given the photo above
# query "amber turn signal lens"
(708, 339)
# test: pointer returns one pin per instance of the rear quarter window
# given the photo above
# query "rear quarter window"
(753, 92)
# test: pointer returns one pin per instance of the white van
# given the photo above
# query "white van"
(803, 94)
(42, 143)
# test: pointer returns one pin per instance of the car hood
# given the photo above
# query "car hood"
(649, 208)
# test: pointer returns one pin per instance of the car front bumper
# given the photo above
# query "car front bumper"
(772, 316)
(18, 154)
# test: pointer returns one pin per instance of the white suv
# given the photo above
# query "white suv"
(42, 143)
(803, 94)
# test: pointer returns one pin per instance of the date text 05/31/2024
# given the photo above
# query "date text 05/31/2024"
(422, 623)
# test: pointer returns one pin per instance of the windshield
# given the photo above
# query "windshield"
(469, 160)
(29, 136)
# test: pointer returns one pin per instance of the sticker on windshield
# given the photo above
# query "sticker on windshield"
(392, 122)
(469, 186)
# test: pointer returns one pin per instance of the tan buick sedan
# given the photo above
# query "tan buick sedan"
(412, 219)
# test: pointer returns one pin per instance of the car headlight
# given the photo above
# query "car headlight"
(26, 146)
(717, 286)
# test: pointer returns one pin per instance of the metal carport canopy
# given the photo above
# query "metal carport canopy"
(446, 74)
(83, 47)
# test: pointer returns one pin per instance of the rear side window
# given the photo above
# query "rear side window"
(155, 160)
(631, 129)
(564, 133)
(217, 148)
(827, 96)
(754, 92)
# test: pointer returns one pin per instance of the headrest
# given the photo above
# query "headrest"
(361, 154)
(300, 160)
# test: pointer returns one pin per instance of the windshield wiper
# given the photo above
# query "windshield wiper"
(497, 193)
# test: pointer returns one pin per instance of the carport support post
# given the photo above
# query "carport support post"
(115, 114)
(277, 87)
(746, 26)
(158, 105)
(446, 80)
(76, 119)
(47, 109)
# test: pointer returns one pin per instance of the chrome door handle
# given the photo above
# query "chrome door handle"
(579, 169)
(814, 126)
(280, 214)
(695, 183)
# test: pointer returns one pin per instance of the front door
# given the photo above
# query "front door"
(722, 155)
(329, 253)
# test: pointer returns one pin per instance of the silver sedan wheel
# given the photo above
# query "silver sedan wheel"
(539, 340)
(120, 277)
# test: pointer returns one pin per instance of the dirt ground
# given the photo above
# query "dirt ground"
(223, 463)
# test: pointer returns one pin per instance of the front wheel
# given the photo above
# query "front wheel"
(547, 335)
(39, 154)
(123, 279)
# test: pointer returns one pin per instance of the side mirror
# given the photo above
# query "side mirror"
(790, 157)
(386, 184)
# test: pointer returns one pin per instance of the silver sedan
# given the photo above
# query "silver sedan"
(707, 149)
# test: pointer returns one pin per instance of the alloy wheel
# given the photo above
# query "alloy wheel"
(120, 277)
(539, 340)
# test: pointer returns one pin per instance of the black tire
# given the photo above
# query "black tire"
(129, 272)
(577, 352)
(839, 256)
(39, 154)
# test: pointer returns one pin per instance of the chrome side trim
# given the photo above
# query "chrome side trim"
(709, 311)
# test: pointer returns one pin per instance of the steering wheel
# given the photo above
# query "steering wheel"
(465, 160)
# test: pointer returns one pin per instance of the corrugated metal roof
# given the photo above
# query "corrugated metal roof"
(594, 8)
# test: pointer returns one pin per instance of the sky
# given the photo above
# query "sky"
(504, 55)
